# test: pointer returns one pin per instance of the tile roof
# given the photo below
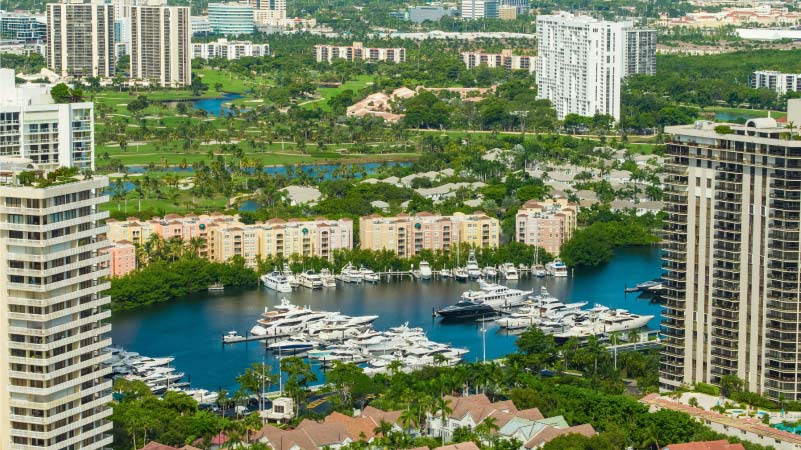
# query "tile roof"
(708, 445)
(549, 433)
(378, 415)
(358, 428)
(460, 446)
(747, 425)
(153, 445)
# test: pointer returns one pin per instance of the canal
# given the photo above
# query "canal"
(190, 328)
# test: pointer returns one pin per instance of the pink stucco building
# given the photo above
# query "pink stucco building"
(122, 258)
(547, 224)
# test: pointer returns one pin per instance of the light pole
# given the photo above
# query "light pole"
(484, 342)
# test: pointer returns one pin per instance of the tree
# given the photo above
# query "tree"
(443, 406)
(730, 384)
(62, 93)
(539, 348)
(299, 375)
(197, 86)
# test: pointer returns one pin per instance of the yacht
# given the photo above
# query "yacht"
(290, 277)
(276, 281)
(605, 320)
(473, 270)
(350, 274)
(496, 295)
(538, 270)
(368, 275)
(216, 287)
(509, 272)
(292, 345)
(556, 268)
(460, 274)
(328, 279)
(465, 310)
(445, 274)
(310, 280)
(490, 272)
(425, 270)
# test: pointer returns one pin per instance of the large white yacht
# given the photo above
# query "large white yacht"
(290, 277)
(311, 280)
(350, 274)
(425, 270)
(473, 270)
(328, 278)
(496, 295)
(556, 268)
(276, 281)
(605, 320)
(509, 272)
(368, 275)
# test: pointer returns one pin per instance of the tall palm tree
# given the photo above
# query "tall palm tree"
(444, 408)
(486, 428)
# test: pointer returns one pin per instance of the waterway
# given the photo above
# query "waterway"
(190, 328)
(217, 107)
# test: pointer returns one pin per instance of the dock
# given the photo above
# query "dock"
(252, 338)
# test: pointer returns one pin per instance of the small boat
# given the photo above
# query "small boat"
(445, 274)
(425, 270)
(460, 274)
(556, 268)
(233, 336)
(328, 279)
(350, 274)
(509, 272)
(368, 275)
(473, 270)
(538, 270)
(276, 281)
(216, 287)
(311, 280)
(490, 272)
(292, 345)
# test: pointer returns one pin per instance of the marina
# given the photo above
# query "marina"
(191, 329)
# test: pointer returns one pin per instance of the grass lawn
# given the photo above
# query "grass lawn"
(231, 82)
(730, 114)
(182, 202)
(360, 82)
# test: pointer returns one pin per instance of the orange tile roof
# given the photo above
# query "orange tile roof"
(548, 433)
(708, 445)
(358, 428)
(153, 445)
(460, 446)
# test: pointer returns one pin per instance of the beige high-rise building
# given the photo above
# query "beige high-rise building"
(731, 256)
(409, 235)
(80, 39)
(161, 51)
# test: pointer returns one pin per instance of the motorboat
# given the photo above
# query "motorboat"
(473, 270)
(556, 268)
(465, 310)
(508, 271)
(328, 279)
(445, 274)
(460, 274)
(651, 285)
(310, 279)
(290, 277)
(292, 345)
(368, 275)
(605, 320)
(490, 272)
(350, 274)
(216, 287)
(496, 295)
(276, 281)
(233, 336)
(538, 270)
(425, 270)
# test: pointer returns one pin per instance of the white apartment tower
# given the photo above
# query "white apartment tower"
(49, 134)
(53, 390)
(479, 9)
(160, 48)
(582, 60)
(268, 12)
(80, 39)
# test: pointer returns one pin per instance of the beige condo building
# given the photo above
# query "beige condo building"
(161, 51)
(80, 39)
(53, 329)
(731, 256)
(546, 224)
(409, 235)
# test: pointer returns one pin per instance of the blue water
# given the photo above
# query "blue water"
(733, 117)
(189, 329)
(214, 106)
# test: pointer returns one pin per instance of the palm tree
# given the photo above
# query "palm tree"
(408, 419)
(444, 408)
(383, 428)
(651, 437)
(486, 428)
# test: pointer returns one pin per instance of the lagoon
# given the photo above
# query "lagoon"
(190, 328)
